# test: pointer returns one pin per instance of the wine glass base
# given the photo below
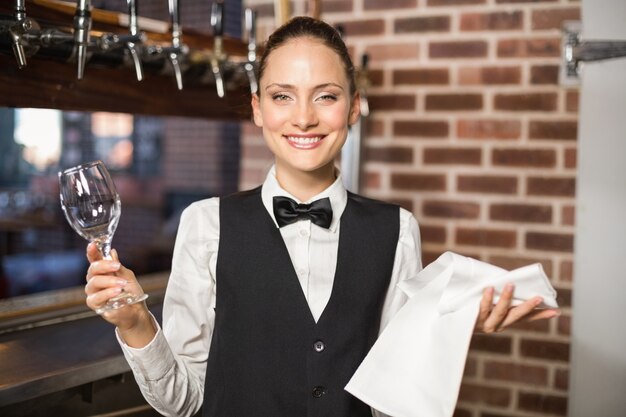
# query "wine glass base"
(120, 301)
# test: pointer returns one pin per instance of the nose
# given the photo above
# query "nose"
(304, 115)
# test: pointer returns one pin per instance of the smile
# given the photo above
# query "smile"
(301, 142)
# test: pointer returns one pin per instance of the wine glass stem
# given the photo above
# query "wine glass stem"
(105, 249)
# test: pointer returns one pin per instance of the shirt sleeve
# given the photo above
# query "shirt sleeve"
(170, 370)
(407, 264)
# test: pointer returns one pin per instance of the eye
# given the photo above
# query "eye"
(280, 97)
(327, 97)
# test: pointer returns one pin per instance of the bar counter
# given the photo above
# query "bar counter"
(59, 358)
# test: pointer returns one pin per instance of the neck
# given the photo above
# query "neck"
(305, 184)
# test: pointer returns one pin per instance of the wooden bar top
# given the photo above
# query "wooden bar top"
(60, 352)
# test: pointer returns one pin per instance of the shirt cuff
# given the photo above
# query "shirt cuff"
(151, 362)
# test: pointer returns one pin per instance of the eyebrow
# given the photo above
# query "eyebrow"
(292, 87)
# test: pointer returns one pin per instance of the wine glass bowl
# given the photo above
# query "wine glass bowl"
(92, 207)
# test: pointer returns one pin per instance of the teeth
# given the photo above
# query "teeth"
(303, 141)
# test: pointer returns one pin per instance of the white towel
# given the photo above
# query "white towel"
(415, 367)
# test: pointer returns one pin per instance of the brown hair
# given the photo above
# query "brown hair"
(307, 27)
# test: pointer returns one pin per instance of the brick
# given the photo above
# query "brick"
(391, 102)
(489, 129)
(566, 271)
(459, 412)
(458, 49)
(490, 75)
(538, 326)
(564, 297)
(394, 51)
(454, 2)
(454, 102)
(376, 77)
(553, 18)
(544, 74)
(363, 27)
(571, 101)
(529, 48)
(371, 179)
(336, 6)
(564, 325)
(543, 349)
(524, 213)
(500, 397)
(451, 209)
(470, 370)
(484, 237)
(568, 216)
(561, 187)
(422, 24)
(389, 154)
(375, 127)
(432, 234)
(388, 4)
(420, 182)
(561, 130)
(556, 242)
(510, 263)
(526, 102)
(429, 256)
(419, 76)
(513, 372)
(487, 184)
(492, 21)
(536, 158)
(544, 403)
(455, 156)
(421, 128)
(571, 158)
(561, 379)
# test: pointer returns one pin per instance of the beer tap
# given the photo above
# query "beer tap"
(250, 25)
(217, 57)
(130, 42)
(18, 31)
(82, 27)
(177, 49)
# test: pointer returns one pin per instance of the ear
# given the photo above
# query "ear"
(355, 109)
(256, 110)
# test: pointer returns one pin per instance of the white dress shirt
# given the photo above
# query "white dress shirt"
(170, 370)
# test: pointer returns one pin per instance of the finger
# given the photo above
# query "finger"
(114, 255)
(485, 306)
(102, 282)
(542, 314)
(499, 312)
(103, 267)
(93, 254)
(520, 312)
(99, 299)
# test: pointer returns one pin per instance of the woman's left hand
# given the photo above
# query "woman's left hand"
(495, 318)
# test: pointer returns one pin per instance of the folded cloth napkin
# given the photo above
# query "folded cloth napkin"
(415, 367)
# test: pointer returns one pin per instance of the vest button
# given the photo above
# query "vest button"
(319, 346)
(319, 391)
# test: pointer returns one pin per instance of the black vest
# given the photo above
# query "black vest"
(268, 356)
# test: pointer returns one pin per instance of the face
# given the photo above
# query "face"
(304, 105)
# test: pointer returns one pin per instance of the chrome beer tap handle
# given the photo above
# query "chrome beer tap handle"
(174, 52)
(249, 66)
(82, 27)
(217, 24)
(135, 38)
(18, 31)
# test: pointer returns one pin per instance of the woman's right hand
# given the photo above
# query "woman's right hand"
(105, 280)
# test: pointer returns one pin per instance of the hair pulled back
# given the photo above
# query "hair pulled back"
(308, 27)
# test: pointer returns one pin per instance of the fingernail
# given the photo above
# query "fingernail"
(538, 300)
(122, 282)
(118, 289)
(508, 287)
(116, 265)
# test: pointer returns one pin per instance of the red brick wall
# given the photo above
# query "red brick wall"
(471, 131)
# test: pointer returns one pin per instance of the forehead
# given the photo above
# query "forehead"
(302, 60)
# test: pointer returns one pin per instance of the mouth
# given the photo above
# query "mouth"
(304, 142)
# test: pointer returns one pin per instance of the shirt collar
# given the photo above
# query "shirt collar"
(336, 193)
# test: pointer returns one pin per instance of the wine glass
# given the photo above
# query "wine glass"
(92, 207)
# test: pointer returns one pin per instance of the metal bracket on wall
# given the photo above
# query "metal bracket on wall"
(576, 51)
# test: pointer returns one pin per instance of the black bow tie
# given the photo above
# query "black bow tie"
(287, 211)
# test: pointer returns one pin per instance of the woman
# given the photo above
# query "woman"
(272, 304)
